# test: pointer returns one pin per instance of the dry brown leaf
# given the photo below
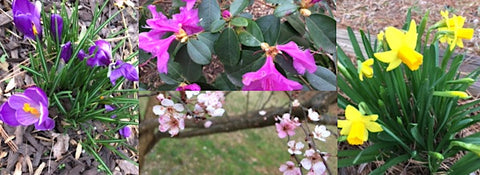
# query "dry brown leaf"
(18, 168)
(4, 66)
(78, 152)
(10, 85)
(127, 167)
(39, 169)
(61, 145)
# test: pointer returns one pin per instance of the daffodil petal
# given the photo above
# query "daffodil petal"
(352, 114)
(387, 56)
(394, 64)
(373, 127)
(394, 37)
(371, 117)
(411, 36)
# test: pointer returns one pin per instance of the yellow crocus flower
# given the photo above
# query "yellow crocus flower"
(365, 69)
(403, 48)
(356, 126)
(455, 25)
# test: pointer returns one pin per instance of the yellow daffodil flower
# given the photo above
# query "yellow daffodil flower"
(403, 48)
(455, 25)
(356, 126)
(365, 69)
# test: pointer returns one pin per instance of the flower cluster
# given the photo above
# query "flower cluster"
(312, 162)
(210, 102)
(170, 114)
(286, 126)
(183, 25)
(268, 78)
(27, 108)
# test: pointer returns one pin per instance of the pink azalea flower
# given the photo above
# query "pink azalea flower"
(182, 25)
(289, 168)
(190, 87)
(313, 162)
(267, 78)
(302, 60)
(286, 126)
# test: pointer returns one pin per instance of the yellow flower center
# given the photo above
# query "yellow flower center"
(269, 50)
(181, 36)
(357, 133)
(29, 109)
(410, 57)
(35, 32)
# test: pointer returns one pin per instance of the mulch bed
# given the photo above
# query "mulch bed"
(24, 150)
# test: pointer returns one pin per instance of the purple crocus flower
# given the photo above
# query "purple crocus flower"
(26, 17)
(66, 51)
(125, 131)
(190, 87)
(103, 54)
(123, 69)
(182, 25)
(27, 108)
(109, 108)
(302, 60)
(82, 55)
(267, 78)
(56, 27)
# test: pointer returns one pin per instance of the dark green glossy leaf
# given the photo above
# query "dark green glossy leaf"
(296, 22)
(322, 79)
(217, 25)
(248, 39)
(190, 70)
(227, 47)
(249, 62)
(285, 9)
(322, 30)
(253, 29)
(208, 38)
(279, 1)
(239, 22)
(223, 83)
(208, 11)
(237, 6)
(270, 26)
(199, 52)
(174, 76)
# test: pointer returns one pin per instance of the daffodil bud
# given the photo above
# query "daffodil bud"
(468, 81)
(459, 94)
(475, 148)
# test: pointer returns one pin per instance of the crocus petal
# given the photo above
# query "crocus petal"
(26, 118)
(7, 115)
(25, 14)
(23, 23)
(56, 27)
(114, 75)
(17, 101)
(37, 95)
(129, 72)
(102, 54)
(82, 55)
(125, 131)
(47, 124)
(66, 52)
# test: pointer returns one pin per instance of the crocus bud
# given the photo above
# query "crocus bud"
(102, 52)
(56, 27)
(66, 52)
(26, 17)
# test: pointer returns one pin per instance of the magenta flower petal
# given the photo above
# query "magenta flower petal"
(190, 87)
(162, 54)
(56, 27)
(7, 115)
(26, 16)
(267, 78)
(125, 131)
(66, 52)
(226, 14)
(189, 4)
(302, 60)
